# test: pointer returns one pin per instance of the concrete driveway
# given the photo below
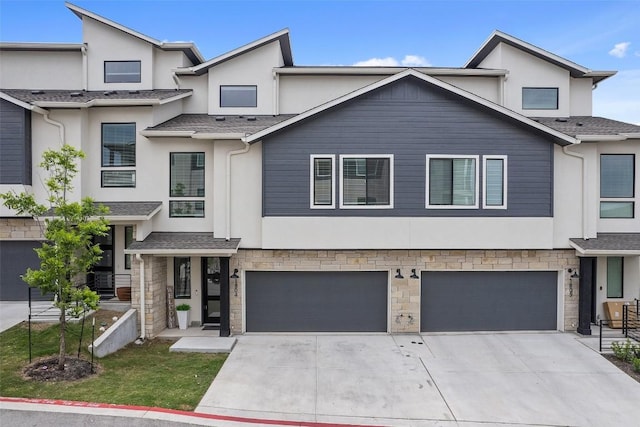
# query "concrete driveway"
(454, 379)
(12, 313)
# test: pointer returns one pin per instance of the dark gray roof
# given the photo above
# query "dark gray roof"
(609, 242)
(205, 123)
(34, 96)
(130, 208)
(162, 242)
(587, 125)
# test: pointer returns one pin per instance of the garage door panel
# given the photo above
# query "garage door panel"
(316, 301)
(15, 258)
(488, 301)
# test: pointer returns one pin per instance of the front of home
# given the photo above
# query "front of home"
(277, 198)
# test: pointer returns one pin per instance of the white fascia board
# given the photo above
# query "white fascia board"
(411, 72)
(183, 46)
(351, 70)
(600, 252)
(40, 46)
(111, 102)
(167, 133)
(608, 138)
(174, 252)
(22, 104)
(233, 53)
(207, 135)
(522, 45)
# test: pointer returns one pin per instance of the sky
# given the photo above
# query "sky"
(597, 34)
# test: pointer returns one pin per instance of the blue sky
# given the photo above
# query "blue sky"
(598, 34)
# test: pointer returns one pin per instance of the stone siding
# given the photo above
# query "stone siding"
(404, 293)
(155, 283)
(20, 229)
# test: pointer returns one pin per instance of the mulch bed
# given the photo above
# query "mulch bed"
(626, 367)
(46, 369)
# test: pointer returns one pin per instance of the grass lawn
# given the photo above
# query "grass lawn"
(145, 375)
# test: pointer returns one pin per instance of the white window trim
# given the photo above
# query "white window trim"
(504, 182)
(367, 156)
(312, 181)
(451, 156)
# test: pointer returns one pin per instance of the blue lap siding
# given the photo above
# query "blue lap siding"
(15, 144)
(408, 118)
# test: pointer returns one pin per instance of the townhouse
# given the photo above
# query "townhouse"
(278, 198)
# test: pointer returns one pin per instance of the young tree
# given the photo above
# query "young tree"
(68, 252)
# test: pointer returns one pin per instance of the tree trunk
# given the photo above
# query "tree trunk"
(63, 344)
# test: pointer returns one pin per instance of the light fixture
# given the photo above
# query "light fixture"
(399, 275)
(573, 276)
(413, 274)
(235, 276)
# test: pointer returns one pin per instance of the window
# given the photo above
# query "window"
(322, 181)
(122, 72)
(128, 238)
(186, 209)
(181, 277)
(118, 144)
(615, 270)
(495, 182)
(617, 177)
(187, 175)
(122, 178)
(367, 181)
(452, 182)
(238, 96)
(539, 98)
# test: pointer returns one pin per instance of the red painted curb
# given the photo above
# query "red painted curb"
(71, 403)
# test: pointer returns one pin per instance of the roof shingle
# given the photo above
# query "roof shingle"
(587, 125)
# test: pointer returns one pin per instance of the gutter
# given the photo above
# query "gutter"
(228, 193)
(585, 196)
(142, 317)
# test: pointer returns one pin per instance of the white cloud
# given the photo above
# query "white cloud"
(389, 61)
(620, 49)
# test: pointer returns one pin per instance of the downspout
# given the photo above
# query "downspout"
(276, 89)
(85, 67)
(55, 123)
(228, 195)
(142, 317)
(176, 80)
(585, 196)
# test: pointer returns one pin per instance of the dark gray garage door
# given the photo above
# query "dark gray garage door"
(316, 301)
(15, 258)
(488, 300)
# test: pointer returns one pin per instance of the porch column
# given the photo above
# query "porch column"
(585, 300)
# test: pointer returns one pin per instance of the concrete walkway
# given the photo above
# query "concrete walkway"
(12, 313)
(409, 380)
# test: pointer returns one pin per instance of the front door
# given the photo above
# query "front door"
(211, 285)
(101, 279)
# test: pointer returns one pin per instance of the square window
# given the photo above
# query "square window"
(238, 96)
(539, 98)
(617, 185)
(615, 274)
(187, 175)
(452, 182)
(122, 72)
(118, 144)
(322, 181)
(367, 181)
(181, 277)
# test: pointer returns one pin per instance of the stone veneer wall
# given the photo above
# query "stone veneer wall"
(404, 293)
(155, 283)
(19, 229)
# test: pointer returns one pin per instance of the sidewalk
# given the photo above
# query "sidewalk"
(13, 312)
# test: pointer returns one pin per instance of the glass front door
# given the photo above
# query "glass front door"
(211, 290)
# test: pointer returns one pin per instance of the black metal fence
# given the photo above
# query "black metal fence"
(105, 284)
(620, 330)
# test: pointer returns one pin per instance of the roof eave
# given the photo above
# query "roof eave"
(22, 104)
(101, 102)
(41, 46)
(173, 252)
(353, 70)
(608, 138)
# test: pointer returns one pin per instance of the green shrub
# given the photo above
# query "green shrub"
(636, 364)
(626, 351)
(183, 307)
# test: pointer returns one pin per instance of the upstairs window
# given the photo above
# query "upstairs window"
(187, 181)
(122, 72)
(617, 178)
(322, 182)
(452, 182)
(238, 96)
(615, 274)
(495, 182)
(367, 181)
(539, 98)
(118, 152)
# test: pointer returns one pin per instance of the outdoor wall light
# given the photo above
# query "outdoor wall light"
(573, 276)
(235, 276)
(413, 274)
(399, 275)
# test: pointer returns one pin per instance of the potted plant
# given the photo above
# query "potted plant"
(183, 315)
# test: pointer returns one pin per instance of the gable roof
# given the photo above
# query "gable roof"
(281, 36)
(188, 48)
(84, 99)
(498, 37)
(559, 137)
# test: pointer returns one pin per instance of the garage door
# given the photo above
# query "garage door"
(316, 301)
(488, 301)
(15, 258)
